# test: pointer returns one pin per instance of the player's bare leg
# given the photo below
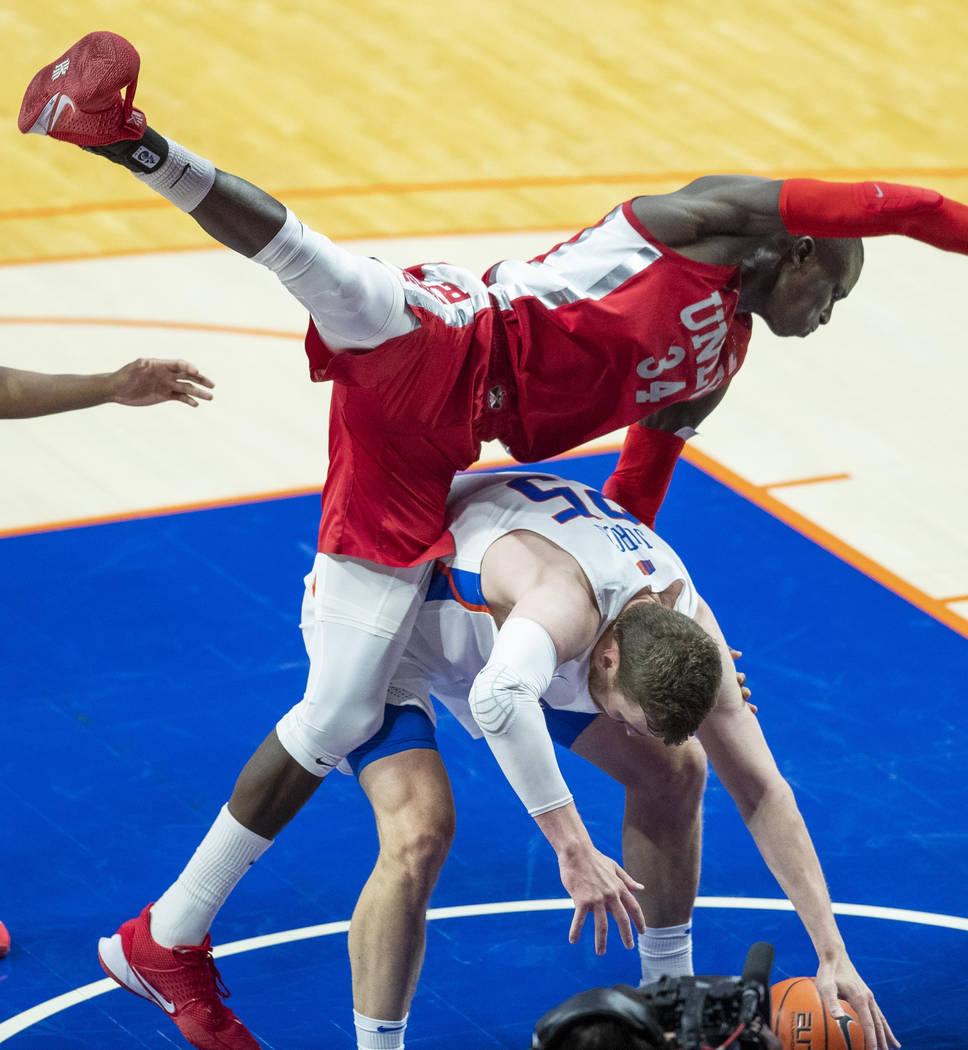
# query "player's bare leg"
(414, 810)
(271, 789)
(661, 833)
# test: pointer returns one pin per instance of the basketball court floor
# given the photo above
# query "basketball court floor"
(151, 560)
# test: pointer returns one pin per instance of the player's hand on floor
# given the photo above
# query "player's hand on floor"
(149, 381)
(841, 980)
(598, 886)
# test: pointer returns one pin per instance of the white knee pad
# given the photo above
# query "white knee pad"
(357, 620)
(355, 302)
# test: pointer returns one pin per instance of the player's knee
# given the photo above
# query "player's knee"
(417, 847)
(319, 745)
(674, 786)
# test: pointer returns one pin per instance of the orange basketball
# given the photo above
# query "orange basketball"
(802, 1022)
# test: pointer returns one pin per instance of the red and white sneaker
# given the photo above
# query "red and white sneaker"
(183, 981)
(77, 98)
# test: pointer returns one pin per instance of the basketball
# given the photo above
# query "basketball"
(801, 1020)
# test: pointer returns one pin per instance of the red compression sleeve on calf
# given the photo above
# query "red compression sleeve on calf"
(870, 209)
(641, 478)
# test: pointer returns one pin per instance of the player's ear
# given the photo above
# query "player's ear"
(803, 248)
(607, 657)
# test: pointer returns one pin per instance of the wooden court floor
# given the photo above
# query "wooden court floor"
(473, 132)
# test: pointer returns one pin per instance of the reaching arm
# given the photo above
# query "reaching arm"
(505, 701)
(735, 745)
(872, 209)
(551, 618)
(744, 206)
(143, 382)
(650, 452)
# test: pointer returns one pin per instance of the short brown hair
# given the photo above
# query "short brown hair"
(669, 666)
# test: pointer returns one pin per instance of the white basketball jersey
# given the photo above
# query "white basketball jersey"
(455, 631)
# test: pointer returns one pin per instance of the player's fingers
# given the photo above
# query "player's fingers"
(864, 1006)
(885, 1037)
(894, 1041)
(577, 921)
(186, 399)
(199, 378)
(627, 879)
(601, 929)
(870, 1030)
(197, 391)
(735, 653)
(621, 917)
(186, 370)
(829, 992)
(633, 912)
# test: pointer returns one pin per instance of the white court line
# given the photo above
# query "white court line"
(29, 1017)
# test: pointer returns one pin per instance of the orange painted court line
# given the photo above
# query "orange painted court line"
(469, 185)
(113, 253)
(805, 481)
(756, 494)
(129, 322)
(49, 211)
(957, 598)
(158, 512)
(210, 246)
(935, 607)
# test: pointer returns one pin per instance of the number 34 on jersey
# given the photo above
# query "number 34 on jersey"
(706, 327)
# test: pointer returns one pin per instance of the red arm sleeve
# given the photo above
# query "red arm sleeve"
(641, 478)
(870, 209)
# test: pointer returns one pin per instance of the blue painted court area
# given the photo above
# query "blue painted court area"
(143, 662)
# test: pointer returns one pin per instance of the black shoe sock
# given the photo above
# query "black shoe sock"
(141, 156)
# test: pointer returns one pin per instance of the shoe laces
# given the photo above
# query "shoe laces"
(192, 955)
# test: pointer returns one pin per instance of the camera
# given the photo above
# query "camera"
(673, 1013)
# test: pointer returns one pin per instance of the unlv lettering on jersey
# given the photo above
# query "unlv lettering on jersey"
(707, 320)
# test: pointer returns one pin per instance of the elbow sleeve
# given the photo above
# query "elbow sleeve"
(505, 702)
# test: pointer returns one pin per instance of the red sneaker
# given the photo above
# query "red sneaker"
(183, 981)
(78, 98)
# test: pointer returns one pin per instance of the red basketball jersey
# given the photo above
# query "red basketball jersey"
(544, 355)
(609, 326)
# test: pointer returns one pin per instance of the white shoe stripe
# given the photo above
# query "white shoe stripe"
(42, 123)
(112, 957)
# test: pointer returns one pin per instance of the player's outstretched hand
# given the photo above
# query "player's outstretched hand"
(598, 886)
(149, 381)
(840, 980)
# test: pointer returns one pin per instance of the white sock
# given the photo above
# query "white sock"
(372, 1034)
(182, 178)
(666, 950)
(184, 912)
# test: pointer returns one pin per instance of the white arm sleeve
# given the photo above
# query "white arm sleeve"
(504, 701)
